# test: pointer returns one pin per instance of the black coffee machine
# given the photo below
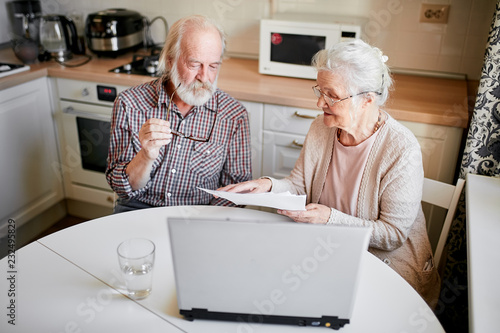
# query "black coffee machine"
(25, 21)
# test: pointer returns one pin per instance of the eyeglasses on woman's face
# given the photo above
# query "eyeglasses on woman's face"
(331, 101)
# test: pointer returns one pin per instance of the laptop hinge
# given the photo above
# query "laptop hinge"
(333, 322)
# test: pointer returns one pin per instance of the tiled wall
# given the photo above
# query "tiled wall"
(392, 25)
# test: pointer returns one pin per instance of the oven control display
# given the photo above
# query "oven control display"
(106, 93)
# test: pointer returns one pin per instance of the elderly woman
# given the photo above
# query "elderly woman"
(359, 166)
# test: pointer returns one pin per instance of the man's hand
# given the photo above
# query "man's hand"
(154, 134)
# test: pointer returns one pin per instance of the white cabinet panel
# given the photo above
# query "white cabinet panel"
(278, 118)
(31, 181)
(255, 115)
(281, 151)
(440, 147)
(284, 133)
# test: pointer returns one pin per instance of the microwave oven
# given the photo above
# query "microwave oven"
(287, 46)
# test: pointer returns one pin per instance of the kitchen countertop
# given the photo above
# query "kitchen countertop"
(414, 98)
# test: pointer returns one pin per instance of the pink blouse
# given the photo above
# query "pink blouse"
(344, 175)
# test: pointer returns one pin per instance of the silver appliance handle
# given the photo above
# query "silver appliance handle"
(305, 116)
(70, 110)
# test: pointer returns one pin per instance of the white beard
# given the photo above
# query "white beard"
(196, 93)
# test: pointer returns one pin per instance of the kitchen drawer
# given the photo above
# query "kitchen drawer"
(281, 151)
(288, 119)
(84, 91)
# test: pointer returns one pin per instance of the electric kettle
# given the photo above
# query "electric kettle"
(25, 20)
(58, 37)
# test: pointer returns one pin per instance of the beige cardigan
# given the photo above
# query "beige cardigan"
(389, 198)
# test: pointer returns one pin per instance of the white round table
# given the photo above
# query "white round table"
(70, 282)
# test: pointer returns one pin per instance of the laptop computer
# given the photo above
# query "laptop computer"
(266, 271)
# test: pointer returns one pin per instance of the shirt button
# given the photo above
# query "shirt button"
(207, 152)
(178, 146)
(169, 194)
(174, 171)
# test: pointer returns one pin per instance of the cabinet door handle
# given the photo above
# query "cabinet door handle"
(297, 144)
(304, 115)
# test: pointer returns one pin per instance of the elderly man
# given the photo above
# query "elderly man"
(179, 132)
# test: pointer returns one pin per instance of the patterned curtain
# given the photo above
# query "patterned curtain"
(481, 156)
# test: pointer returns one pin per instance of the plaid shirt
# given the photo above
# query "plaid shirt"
(183, 164)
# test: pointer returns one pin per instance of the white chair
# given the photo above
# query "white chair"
(446, 196)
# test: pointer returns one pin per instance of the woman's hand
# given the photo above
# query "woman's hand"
(314, 213)
(260, 185)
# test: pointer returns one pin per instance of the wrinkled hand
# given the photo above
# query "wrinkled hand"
(314, 213)
(260, 185)
(154, 134)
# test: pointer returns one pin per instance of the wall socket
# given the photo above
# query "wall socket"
(434, 13)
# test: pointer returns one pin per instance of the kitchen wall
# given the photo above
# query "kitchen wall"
(4, 22)
(392, 25)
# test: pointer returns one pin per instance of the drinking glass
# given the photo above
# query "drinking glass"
(136, 257)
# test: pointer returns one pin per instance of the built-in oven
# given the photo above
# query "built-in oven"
(86, 109)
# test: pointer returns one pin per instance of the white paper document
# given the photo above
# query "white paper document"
(285, 200)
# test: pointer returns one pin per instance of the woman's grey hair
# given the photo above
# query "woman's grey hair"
(362, 66)
(172, 47)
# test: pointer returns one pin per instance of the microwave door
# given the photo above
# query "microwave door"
(295, 49)
(286, 48)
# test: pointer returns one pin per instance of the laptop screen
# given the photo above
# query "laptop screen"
(260, 270)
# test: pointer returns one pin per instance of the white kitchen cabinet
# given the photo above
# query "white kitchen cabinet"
(255, 115)
(283, 136)
(31, 181)
(440, 147)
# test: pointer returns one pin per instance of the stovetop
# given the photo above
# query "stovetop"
(140, 65)
(8, 69)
